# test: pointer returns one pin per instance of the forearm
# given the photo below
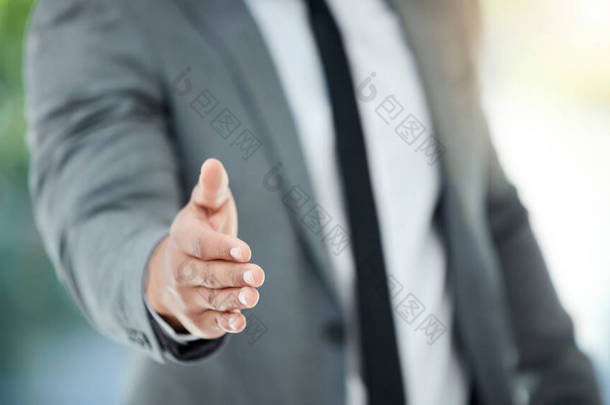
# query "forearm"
(103, 173)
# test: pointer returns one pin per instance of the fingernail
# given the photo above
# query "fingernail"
(235, 253)
(242, 296)
(249, 277)
(233, 322)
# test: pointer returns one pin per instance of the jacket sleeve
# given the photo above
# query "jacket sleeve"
(555, 370)
(103, 175)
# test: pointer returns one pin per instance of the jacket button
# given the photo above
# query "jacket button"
(335, 332)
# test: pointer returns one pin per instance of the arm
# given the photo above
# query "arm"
(556, 370)
(103, 172)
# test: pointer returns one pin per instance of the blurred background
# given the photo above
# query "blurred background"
(546, 88)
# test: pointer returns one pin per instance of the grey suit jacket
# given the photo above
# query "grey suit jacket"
(126, 99)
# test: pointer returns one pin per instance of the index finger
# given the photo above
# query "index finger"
(196, 238)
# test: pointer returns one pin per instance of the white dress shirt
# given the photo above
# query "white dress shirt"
(405, 179)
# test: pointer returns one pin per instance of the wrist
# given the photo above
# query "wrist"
(154, 287)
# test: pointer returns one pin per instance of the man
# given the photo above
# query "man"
(349, 146)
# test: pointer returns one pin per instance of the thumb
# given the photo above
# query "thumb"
(212, 189)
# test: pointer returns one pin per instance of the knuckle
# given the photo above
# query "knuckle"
(214, 249)
(209, 278)
(184, 271)
(237, 277)
(232, 301)
(211, 297)
(220, 246)
(216, 322)
(226, 301)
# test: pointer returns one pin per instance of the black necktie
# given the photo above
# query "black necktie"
(379, 353)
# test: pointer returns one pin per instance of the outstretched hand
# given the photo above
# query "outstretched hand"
(199, 276)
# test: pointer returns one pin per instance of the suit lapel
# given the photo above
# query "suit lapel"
(247, 59)
(440, 38)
